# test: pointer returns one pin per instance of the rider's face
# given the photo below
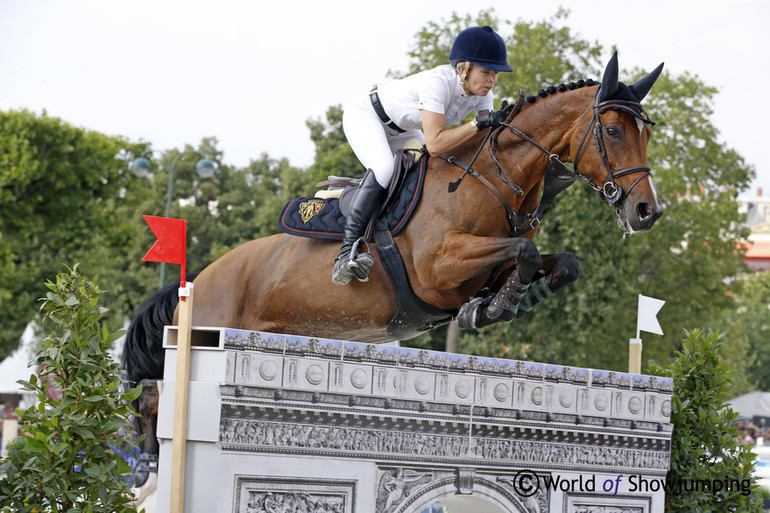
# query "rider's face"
(480, 81)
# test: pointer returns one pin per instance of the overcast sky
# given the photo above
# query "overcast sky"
(252, 72)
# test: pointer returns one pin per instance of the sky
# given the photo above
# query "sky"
(251, 73)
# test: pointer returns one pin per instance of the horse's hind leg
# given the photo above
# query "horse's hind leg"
(144, 480)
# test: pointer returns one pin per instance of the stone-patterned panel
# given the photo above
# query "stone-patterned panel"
(266, 494)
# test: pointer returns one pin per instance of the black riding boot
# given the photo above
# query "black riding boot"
(350, 263)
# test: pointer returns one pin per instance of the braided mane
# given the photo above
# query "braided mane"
(561, 88)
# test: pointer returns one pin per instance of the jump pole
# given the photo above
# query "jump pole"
(171, 247)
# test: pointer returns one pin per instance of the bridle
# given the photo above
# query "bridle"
(612, 192)
(558, 174)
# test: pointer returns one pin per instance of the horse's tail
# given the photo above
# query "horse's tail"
(143, 355)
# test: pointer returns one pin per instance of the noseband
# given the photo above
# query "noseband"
(611, 191)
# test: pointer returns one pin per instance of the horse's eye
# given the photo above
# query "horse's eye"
(611, 131)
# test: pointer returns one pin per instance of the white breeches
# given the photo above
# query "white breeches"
(374, 143)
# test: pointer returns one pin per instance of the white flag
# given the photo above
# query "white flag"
(646, 319)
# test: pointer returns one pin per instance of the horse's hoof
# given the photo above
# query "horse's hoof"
(141, 493)
(147, 465)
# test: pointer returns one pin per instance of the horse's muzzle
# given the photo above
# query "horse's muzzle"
(639, 215)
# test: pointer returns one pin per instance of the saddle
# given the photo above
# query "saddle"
(323, 215)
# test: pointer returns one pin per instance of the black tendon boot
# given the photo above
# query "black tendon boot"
(350, 263)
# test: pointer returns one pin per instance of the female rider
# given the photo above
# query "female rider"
(419, 106)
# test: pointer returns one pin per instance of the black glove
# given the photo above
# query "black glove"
(490, 119)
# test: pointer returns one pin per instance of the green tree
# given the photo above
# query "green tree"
(60, 187)
(68, 194)
(705, 443)
(67, 457)
(333, 154)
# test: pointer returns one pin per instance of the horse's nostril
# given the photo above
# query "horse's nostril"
(644, 210)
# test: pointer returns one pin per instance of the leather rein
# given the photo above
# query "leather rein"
(558, 176)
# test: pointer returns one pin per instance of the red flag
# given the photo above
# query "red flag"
(171, 246)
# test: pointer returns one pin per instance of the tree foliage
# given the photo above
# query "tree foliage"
(748, 328)
(60, 187)
(68, 194)
(541, 53)
(68, 455)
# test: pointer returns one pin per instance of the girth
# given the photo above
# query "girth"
(413, 315)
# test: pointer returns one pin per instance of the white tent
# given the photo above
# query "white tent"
(17, 366)
(753, 404)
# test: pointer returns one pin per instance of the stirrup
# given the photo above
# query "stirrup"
(362, 262)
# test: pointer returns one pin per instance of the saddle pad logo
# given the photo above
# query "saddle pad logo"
(309, 209)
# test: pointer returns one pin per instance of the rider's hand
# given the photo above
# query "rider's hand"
(490, 119)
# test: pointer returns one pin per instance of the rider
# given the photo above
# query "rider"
(379, 123)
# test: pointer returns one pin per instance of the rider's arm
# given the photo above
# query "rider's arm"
(439, 139)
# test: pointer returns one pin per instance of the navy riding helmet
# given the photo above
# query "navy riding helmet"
(481, 46)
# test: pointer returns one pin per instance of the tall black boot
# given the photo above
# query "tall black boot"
(350, 263)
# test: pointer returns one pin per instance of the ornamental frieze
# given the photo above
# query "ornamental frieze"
(245, 434)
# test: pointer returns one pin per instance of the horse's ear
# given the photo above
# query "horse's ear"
(643, 86)
(609, 79)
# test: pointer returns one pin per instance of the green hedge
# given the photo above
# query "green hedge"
(710, 466)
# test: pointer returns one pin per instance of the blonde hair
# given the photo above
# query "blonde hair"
(463, 68)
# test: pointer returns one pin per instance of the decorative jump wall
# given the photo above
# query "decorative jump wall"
(288, 423)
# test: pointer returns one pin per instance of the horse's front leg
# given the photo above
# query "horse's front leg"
(460, 257)
(558, 270)
(518, 295)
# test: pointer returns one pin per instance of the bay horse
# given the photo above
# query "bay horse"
(454, 243)
(458, 245)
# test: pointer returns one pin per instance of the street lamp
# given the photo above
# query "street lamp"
(205, 168)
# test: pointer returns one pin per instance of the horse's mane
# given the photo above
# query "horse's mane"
(561, 88)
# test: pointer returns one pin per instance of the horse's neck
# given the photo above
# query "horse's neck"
(551, 122)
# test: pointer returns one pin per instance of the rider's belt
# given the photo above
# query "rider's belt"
(381, 112)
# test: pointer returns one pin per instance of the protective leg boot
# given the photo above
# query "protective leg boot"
(350, 263)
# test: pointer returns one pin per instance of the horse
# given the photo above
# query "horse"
(470, 252)
(455, 244)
